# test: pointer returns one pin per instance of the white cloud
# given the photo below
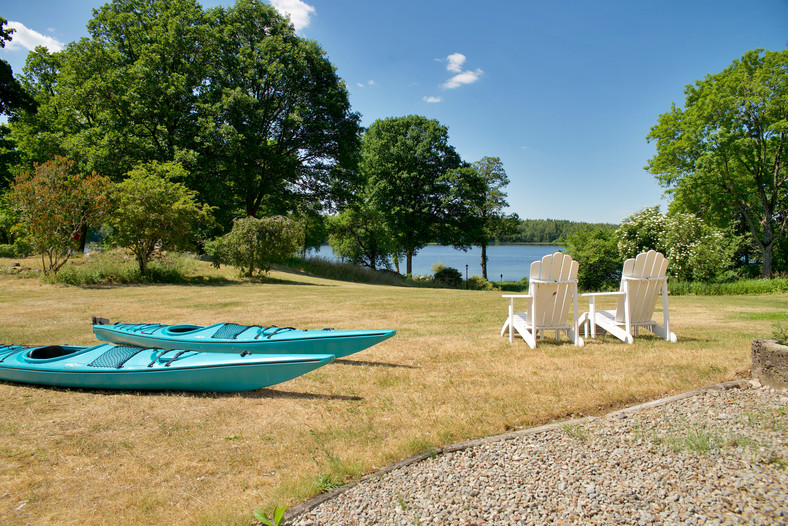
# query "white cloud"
(466, 77)
(23, 37)
(433, 100)
(298, 11)
(456, 60)
(368, 83)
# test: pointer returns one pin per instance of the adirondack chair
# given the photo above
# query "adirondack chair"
(552, 288)
(642, 279)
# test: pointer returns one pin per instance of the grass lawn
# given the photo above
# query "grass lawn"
(104, 457)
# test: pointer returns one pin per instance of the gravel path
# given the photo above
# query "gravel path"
(718, 456)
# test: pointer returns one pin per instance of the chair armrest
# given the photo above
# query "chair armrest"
(517, 295)
(595, 294)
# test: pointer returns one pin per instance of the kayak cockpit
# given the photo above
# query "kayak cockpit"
(181, 329)
(51, 351)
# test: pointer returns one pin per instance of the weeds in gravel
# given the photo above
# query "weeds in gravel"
(575, 431)
(699, 439)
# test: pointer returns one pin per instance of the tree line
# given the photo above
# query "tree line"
(548, 231)
(231, 110)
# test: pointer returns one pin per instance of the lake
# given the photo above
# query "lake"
(510, 261)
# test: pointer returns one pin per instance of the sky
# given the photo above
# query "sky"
(563, 92)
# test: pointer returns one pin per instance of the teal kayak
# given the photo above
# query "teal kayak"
(108, 366)
(231, 337)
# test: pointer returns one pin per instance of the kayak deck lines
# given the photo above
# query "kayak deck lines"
(115, 357)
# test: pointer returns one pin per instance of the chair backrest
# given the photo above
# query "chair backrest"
(644, 276)
(553, 283)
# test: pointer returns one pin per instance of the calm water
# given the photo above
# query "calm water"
(511, 261)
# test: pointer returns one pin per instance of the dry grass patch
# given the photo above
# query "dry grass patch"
(77, 457)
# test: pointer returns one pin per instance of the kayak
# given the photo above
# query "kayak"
(108, 366)
(231, 337)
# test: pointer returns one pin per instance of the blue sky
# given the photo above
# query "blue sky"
(563, 92)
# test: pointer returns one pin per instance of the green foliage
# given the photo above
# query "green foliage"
(360, 236)
(20, 248)
(548, 231)
(697, 252)
(153, 211)
(278, 116)
(255, 244)
(276, 516)
(780, 334)
(56, 204)
(12, 95)
(723, 156)
(257, 114)
(451, 277)
(486, 212)
(596, 251)
(479, 283)
(408, 161)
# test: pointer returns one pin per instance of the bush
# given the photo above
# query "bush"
(596, 252)
(479, 283)
(448, 276)
(697, 252)
(255, 244)
(20, 248)
(152, 211)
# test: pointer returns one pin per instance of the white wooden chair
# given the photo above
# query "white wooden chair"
(552, 288)
(642, 279)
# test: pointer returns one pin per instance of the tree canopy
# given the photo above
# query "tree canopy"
(57, 202)
(256, 114)
(491, 222)
(411, 171)
(724, 155)
(153, 210)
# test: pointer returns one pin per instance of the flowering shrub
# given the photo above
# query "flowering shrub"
(697, 252)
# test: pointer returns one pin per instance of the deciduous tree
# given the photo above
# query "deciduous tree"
(488, 209)
(56, 203)
(727, 149)
(276, 121)
(409, 164)
(153, 210)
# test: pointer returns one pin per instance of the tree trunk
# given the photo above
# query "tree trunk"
(768, 251)
(484, 260)
(409, 261)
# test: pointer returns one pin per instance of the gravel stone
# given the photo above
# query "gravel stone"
(719, 457)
